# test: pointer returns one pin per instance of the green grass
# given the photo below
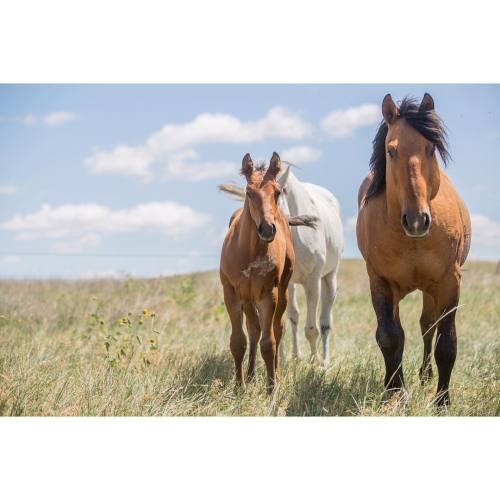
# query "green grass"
(87, 348)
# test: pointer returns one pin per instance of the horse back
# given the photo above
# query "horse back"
(364, 188)
(235, 215)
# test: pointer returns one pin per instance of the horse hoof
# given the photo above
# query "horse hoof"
(443, 400)
(239, 388)
(425, 375)
(314, 360)
(399, 395)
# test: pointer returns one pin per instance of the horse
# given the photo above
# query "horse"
(256, 265)
(317, 259)
(317, 256)
(414, 232)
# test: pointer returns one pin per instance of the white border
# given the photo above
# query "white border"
(249, 458)
(233, 41)
(259, 41)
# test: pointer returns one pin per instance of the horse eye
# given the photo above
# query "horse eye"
(391, 152)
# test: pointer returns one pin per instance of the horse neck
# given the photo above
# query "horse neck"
(298, 199)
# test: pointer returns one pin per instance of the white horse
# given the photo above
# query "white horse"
(317, 257)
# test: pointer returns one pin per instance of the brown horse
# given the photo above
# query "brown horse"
(256, 265)
(414, 232)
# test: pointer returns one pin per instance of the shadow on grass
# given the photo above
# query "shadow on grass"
(338, 391)
(211, 368)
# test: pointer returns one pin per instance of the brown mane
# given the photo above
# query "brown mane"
(427, 123)
(258, 176)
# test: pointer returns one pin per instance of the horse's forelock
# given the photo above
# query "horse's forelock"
(427, 123)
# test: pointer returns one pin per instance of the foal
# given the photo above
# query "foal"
(317, 255)
(255, 268)
(414, 232)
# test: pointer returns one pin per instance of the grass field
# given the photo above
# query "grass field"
(161, 347)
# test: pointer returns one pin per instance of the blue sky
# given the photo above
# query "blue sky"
(113, 179)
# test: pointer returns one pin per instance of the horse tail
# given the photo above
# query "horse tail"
(304, 220)
(232, 189)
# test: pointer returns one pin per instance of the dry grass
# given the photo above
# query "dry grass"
(89, 348)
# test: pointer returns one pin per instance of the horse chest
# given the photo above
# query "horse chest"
(260, 274)
(410, 265)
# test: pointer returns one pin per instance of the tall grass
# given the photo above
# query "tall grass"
(160, 347)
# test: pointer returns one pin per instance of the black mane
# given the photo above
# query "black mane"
(426, 123)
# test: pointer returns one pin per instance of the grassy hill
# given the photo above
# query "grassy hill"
(161, 347)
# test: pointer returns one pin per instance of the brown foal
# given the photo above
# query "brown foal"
(414, 232)
(255, 268)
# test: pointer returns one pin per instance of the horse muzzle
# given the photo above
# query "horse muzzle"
(266, 231)
(416, 224)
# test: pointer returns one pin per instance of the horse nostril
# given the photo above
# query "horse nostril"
(404, 221)
(273, 229)
(427, 221)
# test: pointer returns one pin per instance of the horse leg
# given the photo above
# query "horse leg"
(238, 341)
(278, 323)
(293, 316)
(445, 351)
(427, 320)
(389, 335)
(267, 308)
(253, 329)
(311, 328)
(328, 293)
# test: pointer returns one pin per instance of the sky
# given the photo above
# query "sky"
(115, 180)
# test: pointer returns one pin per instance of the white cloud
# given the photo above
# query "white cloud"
(7, 189)
(123, 159)
(165, 145)
(221, 127)
(66, 221)
(180, 167)
(343, 122)
(300, 154)
(89, 241)
(50, 119)
(58, 118)
(485, 232)
(29, 119)
(9, 260)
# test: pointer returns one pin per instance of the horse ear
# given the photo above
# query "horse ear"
(247, 166)
(427, 103)
(389, 110)
(283, 178)
(274, 166)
